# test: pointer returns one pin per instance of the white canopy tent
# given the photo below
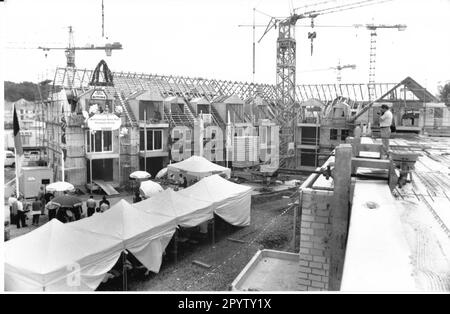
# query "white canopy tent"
(59, 257)
(186, 211)
(231, 201)
(143, 234)
(140, 175)
(150, 188)
(197, 167)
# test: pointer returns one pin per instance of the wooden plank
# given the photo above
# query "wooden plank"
(108, 188)
(201, 264)
(236, 240)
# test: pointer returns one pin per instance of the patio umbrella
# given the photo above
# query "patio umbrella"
(67, 201)
(60, 187)
(161, 173)
(150, 188)
(140, 175)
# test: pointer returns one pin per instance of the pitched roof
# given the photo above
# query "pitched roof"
(418, 90)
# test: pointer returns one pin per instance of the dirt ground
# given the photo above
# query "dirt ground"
(268, 230)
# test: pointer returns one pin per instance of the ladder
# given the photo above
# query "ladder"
(128, 113)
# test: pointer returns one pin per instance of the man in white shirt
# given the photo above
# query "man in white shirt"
(385, 129)
(20, 219)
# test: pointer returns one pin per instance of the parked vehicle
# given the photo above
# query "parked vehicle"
(10, 159)
(32, 155)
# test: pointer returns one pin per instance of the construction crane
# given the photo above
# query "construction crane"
(70, 50)
(337, 68)
(286, 46)
(286, 69)
(373, 51)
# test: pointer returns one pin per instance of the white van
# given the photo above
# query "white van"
(10, 159)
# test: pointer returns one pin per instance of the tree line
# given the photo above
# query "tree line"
(26, 90)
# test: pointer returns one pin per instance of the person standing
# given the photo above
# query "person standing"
(11, 200)
(385, 129)
(183, 181)
(51, 208)
(20, 219)
(48, 196)
(91, 204)
(104, 201)
(104, 207)
(77, 212)
(137, 197)
(41, 198)
(36, 210)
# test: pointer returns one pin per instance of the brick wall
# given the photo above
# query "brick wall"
(315, 233)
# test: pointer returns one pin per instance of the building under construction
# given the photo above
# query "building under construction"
(151, 106)
(361, 222)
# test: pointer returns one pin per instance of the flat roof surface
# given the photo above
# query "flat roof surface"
(417, 220)
(424, 208)
(270, 271)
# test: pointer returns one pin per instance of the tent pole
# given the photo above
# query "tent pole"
(90, 173)
(213, 230)
(124, 271)
(62, 166)
(17, 161)
(175, 246)
(145, 137)
(119, 159)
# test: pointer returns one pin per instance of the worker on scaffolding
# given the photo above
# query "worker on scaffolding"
(385, 129)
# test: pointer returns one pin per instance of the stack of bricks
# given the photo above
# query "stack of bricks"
(315, 233)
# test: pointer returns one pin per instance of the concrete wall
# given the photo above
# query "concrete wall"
(315, 234)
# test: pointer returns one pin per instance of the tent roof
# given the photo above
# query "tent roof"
(53, 246)
(124, 222)
(231, 201)
(197, 165)
(187, 211)
(214, 188)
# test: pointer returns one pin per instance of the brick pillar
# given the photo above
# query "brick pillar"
(314, 238)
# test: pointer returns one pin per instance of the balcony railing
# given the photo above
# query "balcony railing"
(153, 121)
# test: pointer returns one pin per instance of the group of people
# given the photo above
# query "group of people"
(18, 209)
(44, 203)
(91, 205)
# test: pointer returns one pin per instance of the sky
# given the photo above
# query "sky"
(201, 38)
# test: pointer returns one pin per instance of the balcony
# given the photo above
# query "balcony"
(153, 123)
